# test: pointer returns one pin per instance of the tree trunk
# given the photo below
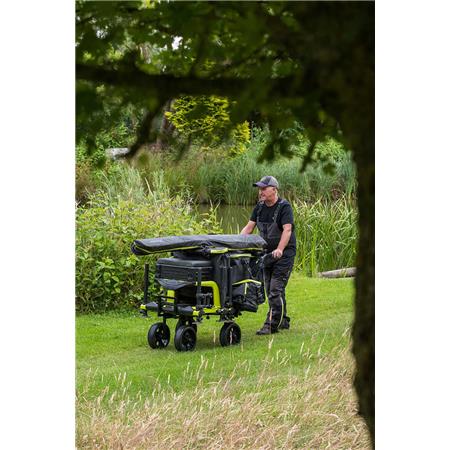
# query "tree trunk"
(357, 119)
(364, 324)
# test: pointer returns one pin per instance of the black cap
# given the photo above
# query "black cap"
(267, 181)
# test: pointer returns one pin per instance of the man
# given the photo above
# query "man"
(274, 218)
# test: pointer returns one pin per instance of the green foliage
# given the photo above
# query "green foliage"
(90, 159)
(200, 117)
(213, 179)
(240, 137)
(84, 181)
(206, 120)
(94, 157)
(108, 275)
(326, 235)
(118, 132)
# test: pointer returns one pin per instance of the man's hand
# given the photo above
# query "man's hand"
(284, 240)
(277, 253)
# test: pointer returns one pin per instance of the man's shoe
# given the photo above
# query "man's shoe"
(284, 325)
(265, 330)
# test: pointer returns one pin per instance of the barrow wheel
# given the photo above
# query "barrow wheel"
(158, 335)
(230, 334)
(185, 322)
(185, 338)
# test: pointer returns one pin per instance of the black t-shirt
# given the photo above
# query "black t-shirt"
(285, 215)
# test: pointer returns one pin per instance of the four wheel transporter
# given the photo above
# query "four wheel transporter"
(206, 275)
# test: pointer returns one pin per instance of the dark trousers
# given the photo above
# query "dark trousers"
(276, 277)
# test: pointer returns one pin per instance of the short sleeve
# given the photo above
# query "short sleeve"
(253, 216)
(287, 215)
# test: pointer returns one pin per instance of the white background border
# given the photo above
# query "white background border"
(38, 225)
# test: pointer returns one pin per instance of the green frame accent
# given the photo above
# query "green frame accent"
(241, 255)
(247, 281)
(219, 250)
(216, 298)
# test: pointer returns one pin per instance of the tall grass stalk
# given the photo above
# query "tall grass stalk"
(313, 407)
(119, 182)
(230, 180)
(326, 235)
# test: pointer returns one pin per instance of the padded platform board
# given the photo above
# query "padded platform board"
(142, 247)
(185, 263)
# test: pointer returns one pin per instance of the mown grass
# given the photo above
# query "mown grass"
(289, 390)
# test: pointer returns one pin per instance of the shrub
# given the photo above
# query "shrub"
(84, 182)
(206, 120)
(108, 275)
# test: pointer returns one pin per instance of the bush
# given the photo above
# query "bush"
(84, 182)
(108, 275)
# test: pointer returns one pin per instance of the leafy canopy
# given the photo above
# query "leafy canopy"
(288, 60)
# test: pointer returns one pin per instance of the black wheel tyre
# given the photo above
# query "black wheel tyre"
(158, 335)
(182, 322)
(185, 338)
(230, 334)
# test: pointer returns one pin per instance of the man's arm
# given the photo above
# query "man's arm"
(285, 236)
(248, 229)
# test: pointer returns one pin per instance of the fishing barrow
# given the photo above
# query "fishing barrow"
(206, 275)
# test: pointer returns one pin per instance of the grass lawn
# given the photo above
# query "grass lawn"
(289, 390)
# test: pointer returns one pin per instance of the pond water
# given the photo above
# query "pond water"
(233, 217)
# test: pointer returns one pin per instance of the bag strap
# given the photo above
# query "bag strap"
(258, 211)
(277, 210)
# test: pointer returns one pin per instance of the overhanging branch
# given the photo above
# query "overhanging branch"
(169, 86)
(166, 85)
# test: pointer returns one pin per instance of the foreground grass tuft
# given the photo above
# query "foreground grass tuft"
(289, 390)
(311, 408)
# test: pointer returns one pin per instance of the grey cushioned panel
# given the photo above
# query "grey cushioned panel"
(184, 262)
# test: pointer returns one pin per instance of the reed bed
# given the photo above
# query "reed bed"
(211, 179)
(326, 235)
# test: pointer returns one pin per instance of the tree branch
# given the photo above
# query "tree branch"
(142, 134)
(169, 86)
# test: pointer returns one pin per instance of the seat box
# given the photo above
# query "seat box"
(184, 269)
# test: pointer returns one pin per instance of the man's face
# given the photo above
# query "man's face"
(267, 194)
